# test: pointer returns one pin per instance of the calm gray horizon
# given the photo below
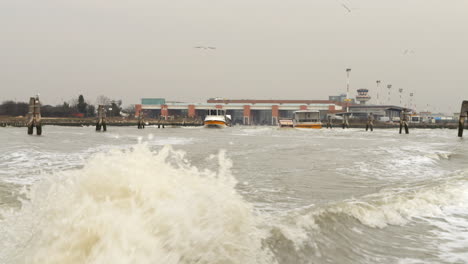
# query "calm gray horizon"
(263, 49)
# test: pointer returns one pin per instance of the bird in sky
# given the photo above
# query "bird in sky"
(344, 6)
(203, 47)
(347, 8)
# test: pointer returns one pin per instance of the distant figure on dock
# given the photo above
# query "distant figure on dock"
(404, 118)
(329, 122)
(34, 116)
(370, 122)
(101, 122)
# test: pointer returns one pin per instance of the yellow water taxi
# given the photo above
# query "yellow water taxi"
(307, 119)
(217, 118)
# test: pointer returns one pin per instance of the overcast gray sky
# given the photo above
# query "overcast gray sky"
(289, 49)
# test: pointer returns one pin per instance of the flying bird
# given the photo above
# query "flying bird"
(347, 8)
(344, 6)
(203, 47)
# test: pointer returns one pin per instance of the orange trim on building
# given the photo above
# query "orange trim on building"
(246, 101)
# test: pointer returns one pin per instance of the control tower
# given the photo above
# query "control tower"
(363, 96)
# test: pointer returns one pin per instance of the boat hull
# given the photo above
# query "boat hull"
(215, 124)
(311, 126)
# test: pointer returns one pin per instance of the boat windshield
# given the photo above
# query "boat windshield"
(307, 117)
(307, 120)
(217, 112)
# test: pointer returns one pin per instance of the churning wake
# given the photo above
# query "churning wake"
(142, 206)
(134, 206)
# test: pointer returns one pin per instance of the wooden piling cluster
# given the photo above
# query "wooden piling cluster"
(329, 122)
(404, 118)
(34, 116)
(141, 121)
(463, 116)
(370, 122)
(345, 121)
(101, 121)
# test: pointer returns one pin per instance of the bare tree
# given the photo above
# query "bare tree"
(129, 110)
(103, 100)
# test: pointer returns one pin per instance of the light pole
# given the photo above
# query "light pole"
(411, 101)
(378, 91)
(348, 70)
(389, 87)
(401, 91)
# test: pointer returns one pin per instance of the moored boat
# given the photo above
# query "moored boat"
(307, 119)
(283, 123)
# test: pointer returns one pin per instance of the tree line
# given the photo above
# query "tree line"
(77, 107)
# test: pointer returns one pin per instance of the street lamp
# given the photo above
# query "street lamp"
(348, 70)
(378, 91)
(401, 91)
(389, 87)
(411, 101)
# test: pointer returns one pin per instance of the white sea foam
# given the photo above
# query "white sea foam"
(380, 210)
(400, 207)
(134, 207)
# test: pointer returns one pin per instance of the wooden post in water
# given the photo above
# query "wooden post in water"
(345, 121)
(463, 116)
(329, 122)
(101, 122)
(404, 117)
(370, 122)
(34, 116)
(141, 121)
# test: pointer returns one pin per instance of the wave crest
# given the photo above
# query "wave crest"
(134, 206)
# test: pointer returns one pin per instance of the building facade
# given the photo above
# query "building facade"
(246, 112)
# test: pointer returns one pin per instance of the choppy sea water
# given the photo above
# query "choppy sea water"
(235, 195)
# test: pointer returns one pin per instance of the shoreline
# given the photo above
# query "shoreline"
(73, 122)
(58, 121)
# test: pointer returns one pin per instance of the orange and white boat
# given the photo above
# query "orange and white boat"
(307, 119)
(217, 118)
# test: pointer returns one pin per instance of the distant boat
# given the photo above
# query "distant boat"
(307, 119)
(217, 118)
(285, 123)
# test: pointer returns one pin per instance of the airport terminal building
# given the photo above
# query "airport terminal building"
(245, 112)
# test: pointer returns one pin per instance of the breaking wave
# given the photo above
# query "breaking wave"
(386, 208)
(134, 206)
(400, 207)
(140, 206)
